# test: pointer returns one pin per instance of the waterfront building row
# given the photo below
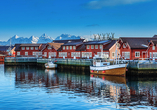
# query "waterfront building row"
(128, 48)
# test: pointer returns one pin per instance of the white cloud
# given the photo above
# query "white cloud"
(97, 4)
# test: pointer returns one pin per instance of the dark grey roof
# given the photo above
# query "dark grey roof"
(97, 42)
(137, 42)
(81, 48)
(17, 47)
(72, 43)
(66, 41)
(29, 45)
(5, 48)
(109, 45)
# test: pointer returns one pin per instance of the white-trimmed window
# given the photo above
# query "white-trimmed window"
(124, 46)
(150, 54)
(153, 47)
(52, 54)
(23, 48)
(87, 46)
(18, 53)
(137, 54)
(126, 55)
(86, 54)
(113, 54)
(63, 47)
(49, 47)
(70, 47)
(61, 54)
(67, 47)
(92, 46)
(26, 53)
(96, 46)
(74, 47)
(76, 54)
(36, 48)
(27, 48)
(101, 46)
(154, 54)
(45, 54)
(32, 48)
(105, 54)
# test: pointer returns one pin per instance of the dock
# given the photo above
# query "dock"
(143, 64)
(74, 64)
(77, 64)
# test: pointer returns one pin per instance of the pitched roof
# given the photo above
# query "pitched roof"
(73, 43)
(97, 42)
(81, 48)
(66, 41)
(137, 42)
(109, 45)
(17, 47)
(154, 42)
(42, 46)
(56, 45)
(5, 48)
(30, 45)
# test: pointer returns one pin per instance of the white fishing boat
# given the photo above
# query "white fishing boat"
(102, 66)
(50, 65)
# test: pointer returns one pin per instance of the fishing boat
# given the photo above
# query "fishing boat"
(50, 65)
(101, 66)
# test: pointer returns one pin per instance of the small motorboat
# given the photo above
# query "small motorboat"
(50, 65)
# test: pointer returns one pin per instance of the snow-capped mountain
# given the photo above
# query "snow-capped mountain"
(42, 39)
(67, 36)
(33, 39)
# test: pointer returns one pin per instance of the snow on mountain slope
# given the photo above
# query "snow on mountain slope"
(42, 39)
(67, 36)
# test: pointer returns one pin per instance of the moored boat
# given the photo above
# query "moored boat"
(103, 67)
(50, 65)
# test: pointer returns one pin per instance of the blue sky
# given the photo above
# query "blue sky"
(126, 18)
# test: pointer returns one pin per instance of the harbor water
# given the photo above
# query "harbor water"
(28, 87)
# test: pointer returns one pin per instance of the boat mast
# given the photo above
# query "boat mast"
(10, 47)
(116, 52)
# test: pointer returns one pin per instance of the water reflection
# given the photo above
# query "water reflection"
(119, 92)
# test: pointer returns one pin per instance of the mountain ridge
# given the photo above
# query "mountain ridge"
(34, 39)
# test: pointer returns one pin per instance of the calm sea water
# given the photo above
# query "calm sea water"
(34, 88)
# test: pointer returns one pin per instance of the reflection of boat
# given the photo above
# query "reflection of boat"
(50, 65)
(115, 79)
(104, 67)
(50, 72)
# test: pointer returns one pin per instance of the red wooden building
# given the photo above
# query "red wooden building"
(86, 49)
(29, 50)
(51, 50)
(136, 47)
(152, 49)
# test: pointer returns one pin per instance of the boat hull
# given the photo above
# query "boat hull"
(116, 70)
(51, 66)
